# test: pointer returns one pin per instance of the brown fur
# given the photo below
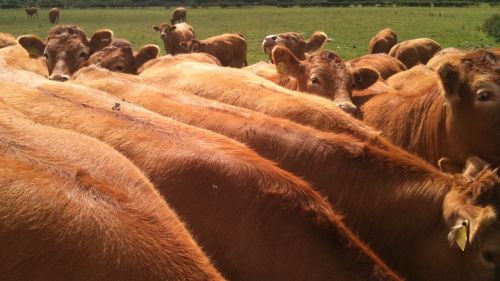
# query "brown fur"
(383, 41)
(295, 42)
(439, 121)
(7, 40)
(230, 48)
(383, 63)
(66, 49)
(416, 51)
(31, 12)
(73, 208)
(244, 89)
(240, 207)
(54, 15)
(173, 35)
(17, 57)
(119, 56)
(179, 15)
(447, 55)
(321, 158)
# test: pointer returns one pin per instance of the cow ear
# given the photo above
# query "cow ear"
(146, 53)
(464, 218)
(156, 28)
(101, 39)
(286, 63)
(203, 44)
(474, 166)
(33, 44)
(450, 79)
(183, 44)
(316, 42)
(364, 77)
(172, 27)
(447, 166)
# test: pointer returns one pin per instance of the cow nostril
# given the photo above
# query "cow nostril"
(59, 77)
(348, 107)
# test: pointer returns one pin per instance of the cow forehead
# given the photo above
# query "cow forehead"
(67, 32)
(288, 35)
(66, 44)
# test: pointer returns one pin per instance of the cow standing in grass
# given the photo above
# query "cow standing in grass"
(31, 12)
(179, 15)
(54, 15)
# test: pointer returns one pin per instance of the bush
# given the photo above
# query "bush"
(491, 26)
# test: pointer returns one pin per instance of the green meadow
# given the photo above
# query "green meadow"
(350, 28)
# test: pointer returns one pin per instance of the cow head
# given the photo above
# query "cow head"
(324, 73)
(165, 30)
(295, 42)
(471, 89)
(119, 56)
(471, 213)
(66, 49)
(192, 46)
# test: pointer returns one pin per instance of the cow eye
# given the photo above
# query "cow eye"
(315, 80)
(45, 56)
(119, 68)
(83, 55)
(483, 96)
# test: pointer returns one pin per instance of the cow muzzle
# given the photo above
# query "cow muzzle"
(269, 42)
(348, 108)
(59, 77)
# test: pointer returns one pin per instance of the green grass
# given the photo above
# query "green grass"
(350, 28)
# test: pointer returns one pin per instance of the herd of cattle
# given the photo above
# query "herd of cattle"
(308, 167)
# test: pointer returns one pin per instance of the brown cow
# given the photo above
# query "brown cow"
(330, 162)
(323, 73)
(383, 63)
(295, 42)
(73, 208)
(54, 15)
(173, 35)
(455, 115)
(66, 49)
(179, 15)
(230, 48)
(7, 40)
(451, 55)
(119, 56)
(31, 12)
(383, 41)
(416, 51)
(245, 89)
(238, 206)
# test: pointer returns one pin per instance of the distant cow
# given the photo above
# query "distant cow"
(7, 39)
(31, 12)
(323, 73)
(295, 42)
(73, 208)
(453, 112)
(173, 35)
(416, 51)
(179, 15)
(119, 56)
(54, 15)
(66, 48)
(383, 63)
(229, 49)
(383, 41)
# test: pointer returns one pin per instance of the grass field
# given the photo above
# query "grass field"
(350, 28)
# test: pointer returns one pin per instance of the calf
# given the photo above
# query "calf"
(173, 35)
(416, 51)
(229, 49)
(119, 56)
(178, 15)
(455, 111)
(383, 41)
(239, 205)
(331, 162)
(73, 208)
(384, 64)
(66, 49)
(323, 73)
(54, 15)
(295, 42)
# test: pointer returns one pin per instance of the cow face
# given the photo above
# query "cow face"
(165, 30)
(471, 213)
(66, 49)
(119, 56)
(295, 42)
(324, 74)
(471, 89)
(193, 46)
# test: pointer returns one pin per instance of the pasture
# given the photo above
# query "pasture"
(350, 28)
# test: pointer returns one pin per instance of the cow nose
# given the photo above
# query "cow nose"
(59, 77)
(348, 107)
(163, 36)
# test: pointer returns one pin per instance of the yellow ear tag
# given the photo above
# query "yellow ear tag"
(33, 52)
(281, 68)
(461, 237)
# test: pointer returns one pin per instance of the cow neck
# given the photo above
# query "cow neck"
(392, 199)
